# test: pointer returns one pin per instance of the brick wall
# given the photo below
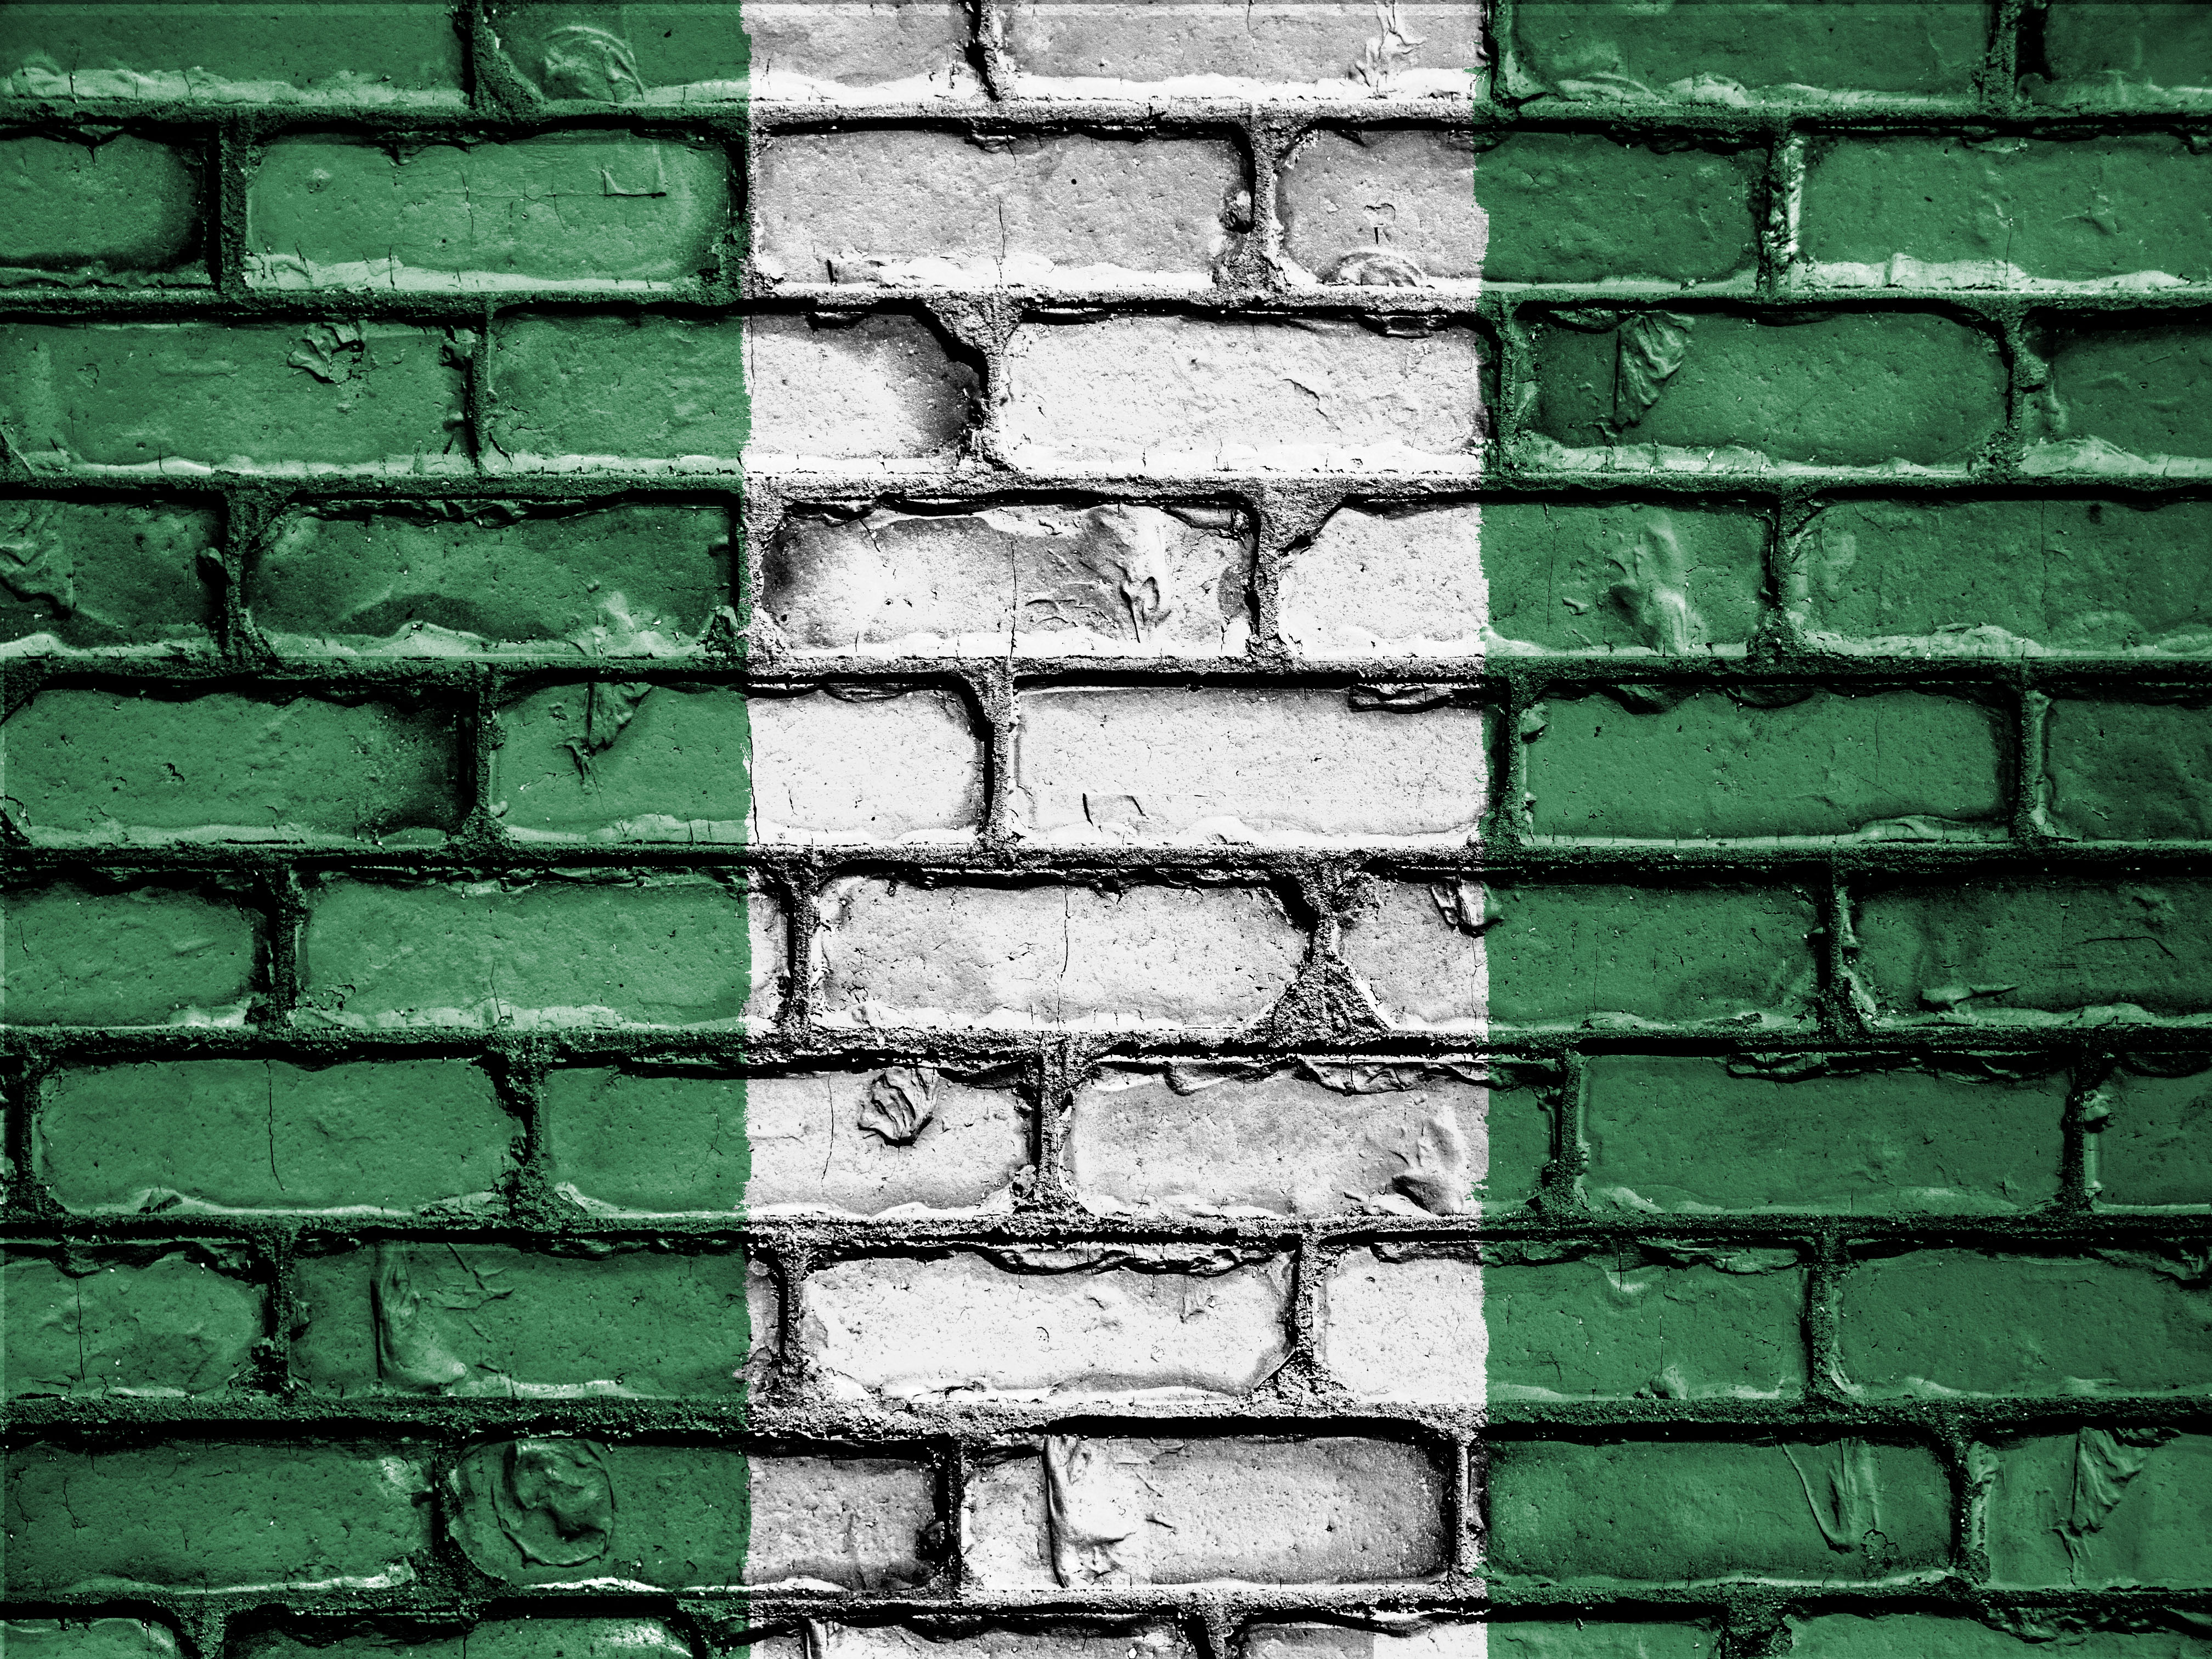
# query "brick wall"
(1297, 831)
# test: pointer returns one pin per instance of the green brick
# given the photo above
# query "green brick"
(1885, 390)
(639, 579)
(2124, 399)
(2006, 212)
(526, 1638)
(2101, 1506)
(102, 575)
(588, 211)
(1626, 956)
(373, 1137)
(1732, 52)
(91, 1639)
(674, 950)
(146, 956)
(489, 1320)
(1596, 1638)
(2005, 577)
(626, 763)
(124, 210)
(198, 1516)
(1939, 1323)
(1892, 765)
(624, 52)
(184, 1323)
(89, 768)
(1613, 576)
(2001, 954)
(570, 391)
(2154, 1148)
(320, 53)
(1916, 1635)
(1681, 1134)
(1724, 1327)
(290, 399)
(2129, 771)
(1684, 1511)
(2126, 54)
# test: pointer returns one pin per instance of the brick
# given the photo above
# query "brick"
(103, 576)
(212, 1515)
(2101, 1506)
(1889, 390)
(1279, 49)
(2057, 953)
(1668, 1133)
(2151, 1143)
(1717, 52)
(637, 579)
(124, 211)
(659, 393)
(283, 399)
(1379, 206)
(1086, 1641)
(144, 955)
(392, 54)
(487, 1320)
(494, 1638)
(647, 1144)
(1115, 765)
(1176, 394)
(1895, 765)
(1455, 956)
(1405, 1327)
(1014, 579)
(180, 1323)
(91, 1639)
(878, 205)
(1028, 956)
(2123, 399)
(1941, 1323)
(2005, 577)
(1506, 1638)
(379, 1137)
(636, 763)
(1931, 212)
(586, 211)
(1085, 1513)
(2127, 771)
(1517, 578)
(653, 1516)
(1310, 1138)
(674, 950)
(89, 768)
(1684, 1511)
(2121, 53)
(1893, 1635)
(1045, 1322)
(1673, 1322)
(682, 53)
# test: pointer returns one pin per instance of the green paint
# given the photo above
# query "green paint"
(1577, 208)
(1916, 1635)
(568, 386)
(89, 1638)
(386, 1135)
(126, 211)
(1892, 765)
(1702, 1136)
(535, 1638)
(1681, 1511)
(2122, 397)
(1942, 1322)
(626, 52)
(95, 575)
(2122, 771)
(141, 955)
(625, 763)
(1620, 576)
(2152, 1138)
(128, 1322)
(1607, 1327)
(2100, 1506)
(2126, 54)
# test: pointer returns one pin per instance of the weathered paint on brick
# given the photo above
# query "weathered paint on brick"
(126, 211)
(2150, 1137)
(103, 576)
(154, 955)
(2120, 399)
(2100, 1506)
(181, 1322)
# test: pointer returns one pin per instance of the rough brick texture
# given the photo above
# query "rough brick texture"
(1105, 829)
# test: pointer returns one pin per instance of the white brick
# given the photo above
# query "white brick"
(1100, 766)
(1374, 1137)
(876, 392)
(1416, 949)
(1145, 1641)
(1380, 582)
(1183, 395)
(1116, 580)
(1388, 206)
(1057, 1324)
(1410, 1330)
(1457, 1641)
(1223, 49)
(1051, 955)
(944, 209)
(1097, 1513)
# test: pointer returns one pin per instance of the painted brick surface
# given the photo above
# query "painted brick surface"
(1098, 830)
